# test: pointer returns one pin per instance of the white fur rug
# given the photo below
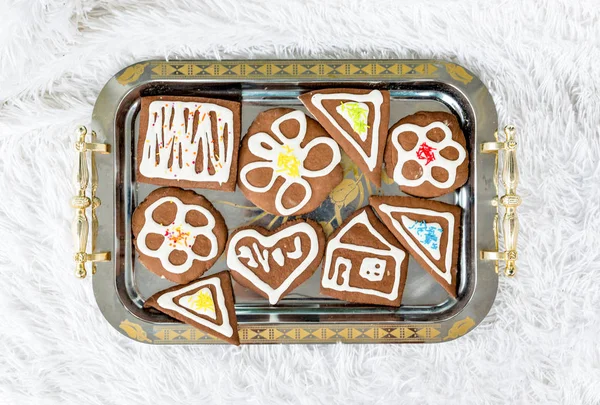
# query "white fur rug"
(540, 344)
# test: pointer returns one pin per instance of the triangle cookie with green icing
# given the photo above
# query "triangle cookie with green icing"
(206, 304)
(429, 230)
(358, 120)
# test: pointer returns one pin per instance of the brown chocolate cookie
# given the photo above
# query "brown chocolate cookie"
(429, 230)
(288, 163)
(273, 263)
(188, 142)
(364, 262)
(426, 154)
(178, 234)
(358, 120)
(206, 304)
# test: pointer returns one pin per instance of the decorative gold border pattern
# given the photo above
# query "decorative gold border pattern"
(324, 333)
(291, 69)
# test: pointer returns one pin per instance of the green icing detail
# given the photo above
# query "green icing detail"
(358, 115)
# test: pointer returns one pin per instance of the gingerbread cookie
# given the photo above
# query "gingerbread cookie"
(288, 163)
(426, 154)
(178, 234)
(364, 262)
(358, 120)
(206, 304)
(189, 142)
(429, 230)
(273, 263)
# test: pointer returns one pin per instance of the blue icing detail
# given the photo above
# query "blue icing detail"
(428, 234)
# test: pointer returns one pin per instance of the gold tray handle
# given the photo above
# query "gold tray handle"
(510, 201)
(81, 202)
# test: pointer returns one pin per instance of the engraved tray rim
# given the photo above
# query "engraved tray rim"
(390, 71)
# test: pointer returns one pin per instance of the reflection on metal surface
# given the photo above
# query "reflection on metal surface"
(81, 202)
(510, 201)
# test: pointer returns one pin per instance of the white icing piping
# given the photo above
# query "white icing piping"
(278, 146)
(234, 263)
(163, 252)
(389, 210)
(177, 136)
(330, 282)
(167, 302)
(404, 156)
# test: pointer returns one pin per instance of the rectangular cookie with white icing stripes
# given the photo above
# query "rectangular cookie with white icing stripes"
(358, 121)
(189, 142)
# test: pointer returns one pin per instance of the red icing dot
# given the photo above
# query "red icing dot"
(425, 152)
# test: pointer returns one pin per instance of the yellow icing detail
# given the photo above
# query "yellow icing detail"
(202, 301)
(358, 115)
(288, 163)
(177, 236)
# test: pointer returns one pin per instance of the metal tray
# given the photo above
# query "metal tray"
(427, 313)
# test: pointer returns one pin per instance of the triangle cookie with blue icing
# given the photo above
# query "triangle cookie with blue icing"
(364, 263)
(429, 230)
(358, 120)
(206, 304)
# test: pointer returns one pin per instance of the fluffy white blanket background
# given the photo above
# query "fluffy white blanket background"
(541, 62)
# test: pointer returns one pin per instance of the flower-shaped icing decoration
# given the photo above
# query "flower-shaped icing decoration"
(285, 157)
(427, 154)
(179, 235)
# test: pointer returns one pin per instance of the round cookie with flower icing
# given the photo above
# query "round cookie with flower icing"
(426, 154)
(178, 234)
(288, 163)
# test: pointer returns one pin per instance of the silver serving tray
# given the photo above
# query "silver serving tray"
(427, 313)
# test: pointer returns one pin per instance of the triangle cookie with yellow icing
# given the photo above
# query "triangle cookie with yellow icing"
(206, 304)
(429, 230)
(358, 120)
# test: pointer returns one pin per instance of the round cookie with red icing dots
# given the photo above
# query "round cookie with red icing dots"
(178, 234)
(426, 154)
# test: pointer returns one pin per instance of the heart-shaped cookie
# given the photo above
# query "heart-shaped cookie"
(273, 263)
